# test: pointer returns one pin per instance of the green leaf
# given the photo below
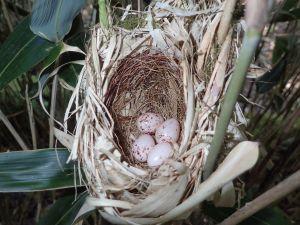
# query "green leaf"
(22, 51)
(63, 211)
(52, 19)
(70, 74)
(267, 216)
(34, 170)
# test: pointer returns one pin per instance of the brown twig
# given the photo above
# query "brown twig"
(279, 191)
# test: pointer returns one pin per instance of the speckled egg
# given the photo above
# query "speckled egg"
(159, 153)
(148, 122)
(168, 131)
(142, 146)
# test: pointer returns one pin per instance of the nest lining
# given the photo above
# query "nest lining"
(144, 82)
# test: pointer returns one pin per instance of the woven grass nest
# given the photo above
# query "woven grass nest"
(177, 65)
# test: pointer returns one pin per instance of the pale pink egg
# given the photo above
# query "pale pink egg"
(168, 131)
(159, 153)
(148, 122)
(142, 146)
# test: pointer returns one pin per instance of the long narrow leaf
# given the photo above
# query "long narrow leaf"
(52, 19)
(70, 74)
(35, 170)
(22, 51)
(63, 211)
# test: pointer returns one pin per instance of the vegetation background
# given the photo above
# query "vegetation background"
(270, 101)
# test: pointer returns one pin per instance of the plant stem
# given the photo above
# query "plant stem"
(52, 111)
(279, 191)
(103, 15)
(31, 119)
(13, 131)
(226, 20)
(250, 42)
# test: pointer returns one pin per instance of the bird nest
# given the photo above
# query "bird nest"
(144, 82)
(174, 66)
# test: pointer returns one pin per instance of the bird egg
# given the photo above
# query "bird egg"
(148, 122)
(168, 131)
(142, 146)
(159, 153)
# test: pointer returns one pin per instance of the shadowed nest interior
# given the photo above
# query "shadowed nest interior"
(144, 82)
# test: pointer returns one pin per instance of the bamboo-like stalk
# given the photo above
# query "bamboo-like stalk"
(256, 19)
(279, 191)
(250, 43)
(103, 15)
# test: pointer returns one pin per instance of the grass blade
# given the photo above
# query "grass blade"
(35, 170)
(63, 211)
(22, 51)
(52, 20)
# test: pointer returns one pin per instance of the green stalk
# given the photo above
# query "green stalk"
(250, 43)
(103, 15)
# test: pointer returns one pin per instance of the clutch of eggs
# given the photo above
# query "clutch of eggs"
(166, 132)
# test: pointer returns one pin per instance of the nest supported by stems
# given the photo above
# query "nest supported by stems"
(145, 82)
(176, 66)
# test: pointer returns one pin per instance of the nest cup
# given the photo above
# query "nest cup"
(144, 82)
